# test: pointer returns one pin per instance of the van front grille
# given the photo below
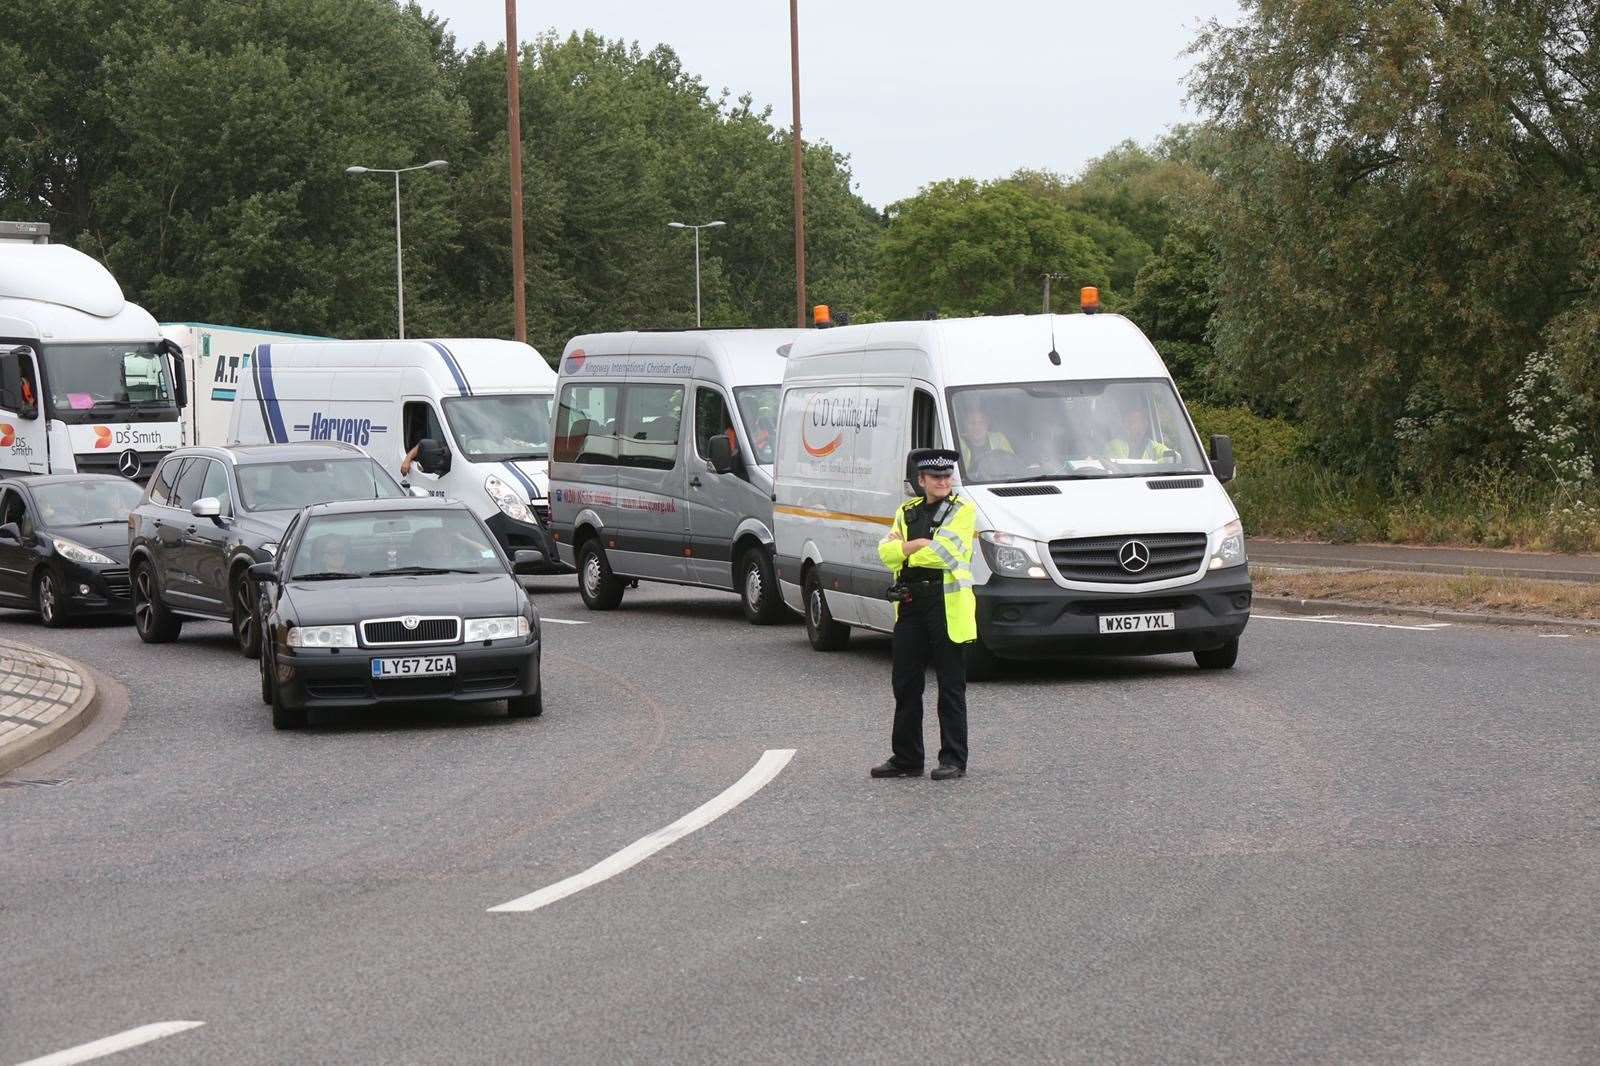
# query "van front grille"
(1099, 559)
(385, 632)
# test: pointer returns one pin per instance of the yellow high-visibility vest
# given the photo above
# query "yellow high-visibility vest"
(950, 550)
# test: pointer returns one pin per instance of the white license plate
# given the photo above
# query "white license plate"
(1137, 623)
(417, 666)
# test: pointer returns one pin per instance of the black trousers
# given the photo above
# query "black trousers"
(920, 640)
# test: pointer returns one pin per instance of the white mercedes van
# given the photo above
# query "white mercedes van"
(480, 409)
(1103, 524)
(662, 462)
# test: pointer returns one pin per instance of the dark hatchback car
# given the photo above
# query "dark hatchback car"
(64, 544)
(395, 602)
(209, 514)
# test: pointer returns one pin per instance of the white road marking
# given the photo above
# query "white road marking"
(766, 768)
(1556, 636)
(564, 621)
(112, 1044)
(1427, 628)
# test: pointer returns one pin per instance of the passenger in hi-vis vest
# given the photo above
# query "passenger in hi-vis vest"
(929, 550)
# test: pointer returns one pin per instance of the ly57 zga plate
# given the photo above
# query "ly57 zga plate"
(416, 666)
(1137, 623)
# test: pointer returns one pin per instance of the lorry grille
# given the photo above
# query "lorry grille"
(1098, 559)
(106, 463)
(385, 632)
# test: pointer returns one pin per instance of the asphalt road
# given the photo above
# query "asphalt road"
(1363, 844)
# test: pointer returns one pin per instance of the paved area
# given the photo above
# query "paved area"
(39, 692)
(1372, 841)
(1427, 560)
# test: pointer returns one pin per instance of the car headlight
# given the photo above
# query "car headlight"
(1230, 546)
(477, 629)
(1011, 556)
(71, 549)
(510, 504)
(270, 549)
(322, 637)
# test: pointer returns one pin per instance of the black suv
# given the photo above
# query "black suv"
(208, 514)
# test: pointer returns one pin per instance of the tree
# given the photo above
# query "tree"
(964, 248)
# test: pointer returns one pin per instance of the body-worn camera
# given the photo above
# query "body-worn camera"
(899, 592)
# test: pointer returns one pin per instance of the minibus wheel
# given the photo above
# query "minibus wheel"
(824, 633)
(758, 588)
(600, 588)
(1221, 658)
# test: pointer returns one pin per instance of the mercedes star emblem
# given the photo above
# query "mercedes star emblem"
(1134, 556)
(410, 621)
(128, 463)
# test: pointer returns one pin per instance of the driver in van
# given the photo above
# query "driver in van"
(981, 447)
(1135, 441)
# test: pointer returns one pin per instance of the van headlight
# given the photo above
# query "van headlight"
(322, 637)
(510, 504)
(71, 549)
(1230, 546)
(1011, 556)
(476, 629)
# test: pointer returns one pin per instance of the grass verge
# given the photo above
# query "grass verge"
(1486, 595)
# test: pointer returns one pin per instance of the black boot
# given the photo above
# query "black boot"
(894, 769)
(945, 772)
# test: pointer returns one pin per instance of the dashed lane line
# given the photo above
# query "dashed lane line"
(1427, 627)
(110, 1045)
(766, 768)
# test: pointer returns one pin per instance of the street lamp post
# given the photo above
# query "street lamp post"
(399, 253)
(697, 229)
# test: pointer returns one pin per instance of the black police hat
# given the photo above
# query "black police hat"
(933, 460)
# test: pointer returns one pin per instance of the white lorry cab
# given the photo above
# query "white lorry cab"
(1103, 526)
(476, 411)
(214, 357)
(87, 382)
(662, 462)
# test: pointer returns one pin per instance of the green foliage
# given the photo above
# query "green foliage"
(965, 248)
(1259, 444)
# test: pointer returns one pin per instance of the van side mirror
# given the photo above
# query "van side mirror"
(433, 456)
(721, 449)
(264, 573)
(1222, 457)
(526, 560)
(10, 533)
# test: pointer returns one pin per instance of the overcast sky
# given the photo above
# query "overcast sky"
(915, 91)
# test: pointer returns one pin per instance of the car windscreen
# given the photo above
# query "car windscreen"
(289, 486)
(83, 377)
(758, 407)
(497, 428)
(84, 503)
(389, 543)
(1069, 430)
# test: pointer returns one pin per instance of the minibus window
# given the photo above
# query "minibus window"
(711, 420)
(586, 424)
(1065, 430)
(651, 418)
(758, 406)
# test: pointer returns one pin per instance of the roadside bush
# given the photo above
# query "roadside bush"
(1259, 444)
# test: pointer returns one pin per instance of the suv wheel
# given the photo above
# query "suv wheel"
(824, 633)
(47, 600)
(600, 588)
(155, 624)
(245, 629)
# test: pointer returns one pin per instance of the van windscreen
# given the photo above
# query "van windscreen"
(1069, 430)
(493, 429)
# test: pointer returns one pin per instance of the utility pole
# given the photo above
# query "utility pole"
(1047, 279)
(799, 171)
(514, 133)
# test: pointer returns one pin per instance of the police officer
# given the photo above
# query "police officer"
(930, 551)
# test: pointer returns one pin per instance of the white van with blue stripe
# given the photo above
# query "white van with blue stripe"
(485, 405)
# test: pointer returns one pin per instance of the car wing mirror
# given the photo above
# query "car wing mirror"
(433, 456)
(1222, 457)
(721, 449)
(526, 560)
(10, 533)
(264, 573)
(207, 507)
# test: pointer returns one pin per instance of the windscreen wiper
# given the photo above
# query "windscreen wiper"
(424, 570)
(323, 575)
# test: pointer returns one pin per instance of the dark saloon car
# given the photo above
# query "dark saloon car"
(209, 514)
(64, 544)
(395, 601)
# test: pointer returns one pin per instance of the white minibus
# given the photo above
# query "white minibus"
(478, 411)
(1103, 524)
(662, 462)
